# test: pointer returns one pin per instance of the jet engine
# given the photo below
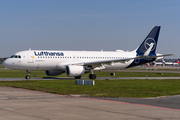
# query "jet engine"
(73, 71)
(53, 72)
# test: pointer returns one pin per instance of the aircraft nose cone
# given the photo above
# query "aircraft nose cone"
(6, 63)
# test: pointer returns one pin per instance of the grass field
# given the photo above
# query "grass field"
(102, 88)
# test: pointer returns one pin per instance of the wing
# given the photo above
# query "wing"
(99, 64)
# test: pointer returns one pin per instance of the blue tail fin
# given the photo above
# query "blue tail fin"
(152, 37)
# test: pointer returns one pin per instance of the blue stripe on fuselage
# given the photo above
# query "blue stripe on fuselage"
(141, 62)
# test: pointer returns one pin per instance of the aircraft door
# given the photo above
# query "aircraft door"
(30, 57)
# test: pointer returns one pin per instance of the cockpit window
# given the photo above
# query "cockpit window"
(12, 56)
(15, 56)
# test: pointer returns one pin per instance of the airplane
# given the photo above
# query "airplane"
(178, 62)
(77, 63)
(168, 63)
(157, 63)
(165, 63)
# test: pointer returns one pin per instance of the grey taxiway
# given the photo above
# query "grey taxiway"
(21, 104)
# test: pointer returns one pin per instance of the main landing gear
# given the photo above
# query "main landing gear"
(77, 77)
(92, 75)
(28, 75)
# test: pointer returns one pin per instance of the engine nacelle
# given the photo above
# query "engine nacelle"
(53, 72)
(73, 71)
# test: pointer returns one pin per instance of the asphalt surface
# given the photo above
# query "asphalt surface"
(21, 104)
(166, 101)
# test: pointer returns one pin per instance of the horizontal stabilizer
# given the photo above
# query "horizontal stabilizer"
(160, 56)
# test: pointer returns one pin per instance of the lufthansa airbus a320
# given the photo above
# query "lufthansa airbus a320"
(77, 63)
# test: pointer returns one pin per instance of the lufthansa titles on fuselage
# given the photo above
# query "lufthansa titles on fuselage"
(48, 53)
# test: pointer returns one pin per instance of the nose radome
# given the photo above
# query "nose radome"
(6, 63)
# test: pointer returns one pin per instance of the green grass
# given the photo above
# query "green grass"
(40, 74)
(103, 88)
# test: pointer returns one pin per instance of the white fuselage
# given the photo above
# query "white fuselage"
(57, 60)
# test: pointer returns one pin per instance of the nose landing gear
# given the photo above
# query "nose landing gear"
(28, 75)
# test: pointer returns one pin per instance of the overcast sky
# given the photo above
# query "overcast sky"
(87, 25)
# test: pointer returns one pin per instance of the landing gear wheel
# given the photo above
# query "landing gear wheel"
(27, 77)
(77, 77)
(92, 76)
(28, 74)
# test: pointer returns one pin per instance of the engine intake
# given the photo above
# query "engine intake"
(73, 71)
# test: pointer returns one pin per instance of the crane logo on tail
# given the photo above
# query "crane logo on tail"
(148, 42)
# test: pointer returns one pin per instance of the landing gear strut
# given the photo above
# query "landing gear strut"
(92, 75)
(28, 75)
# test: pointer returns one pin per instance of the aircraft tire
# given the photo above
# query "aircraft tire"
(92, 76)
(27, 77)
(77, 77)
